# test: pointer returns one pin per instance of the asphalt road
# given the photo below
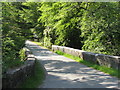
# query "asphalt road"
(63, 72)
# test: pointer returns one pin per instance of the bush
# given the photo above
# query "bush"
(22, 54)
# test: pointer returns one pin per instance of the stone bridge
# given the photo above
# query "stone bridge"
(62, 72)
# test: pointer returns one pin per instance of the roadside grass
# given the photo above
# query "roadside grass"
(40, 44)
(110, 71)
(36, 79)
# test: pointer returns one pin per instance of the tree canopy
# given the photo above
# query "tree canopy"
(90, 26)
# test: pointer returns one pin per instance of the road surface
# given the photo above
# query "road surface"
(63, 72)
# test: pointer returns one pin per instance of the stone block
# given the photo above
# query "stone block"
(88, 56)
(30, 56)
(67, 50)
(109, 61)
(54, 47)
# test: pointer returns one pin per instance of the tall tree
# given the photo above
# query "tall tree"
(61, 21)
(100, 27)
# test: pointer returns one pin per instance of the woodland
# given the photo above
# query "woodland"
(89, 26)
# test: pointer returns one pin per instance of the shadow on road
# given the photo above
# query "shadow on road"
(66, 73)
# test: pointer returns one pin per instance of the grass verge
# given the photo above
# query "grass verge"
(35, 80)
(110, 71)
(40, 44)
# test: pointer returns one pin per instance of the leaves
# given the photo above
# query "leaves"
(98, 25)
(91, 26)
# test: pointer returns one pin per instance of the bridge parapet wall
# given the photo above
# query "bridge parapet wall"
(100, 59)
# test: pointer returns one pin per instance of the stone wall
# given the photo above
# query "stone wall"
(16, 76)
(100, 59)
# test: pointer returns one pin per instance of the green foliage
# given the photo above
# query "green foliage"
(30, 15)
(91, 26)
(13, 38)
(111, 71)
(62, 23)
(10, 54)
(47, 42)
(100, 28)
(61, 20)
(22, 54)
